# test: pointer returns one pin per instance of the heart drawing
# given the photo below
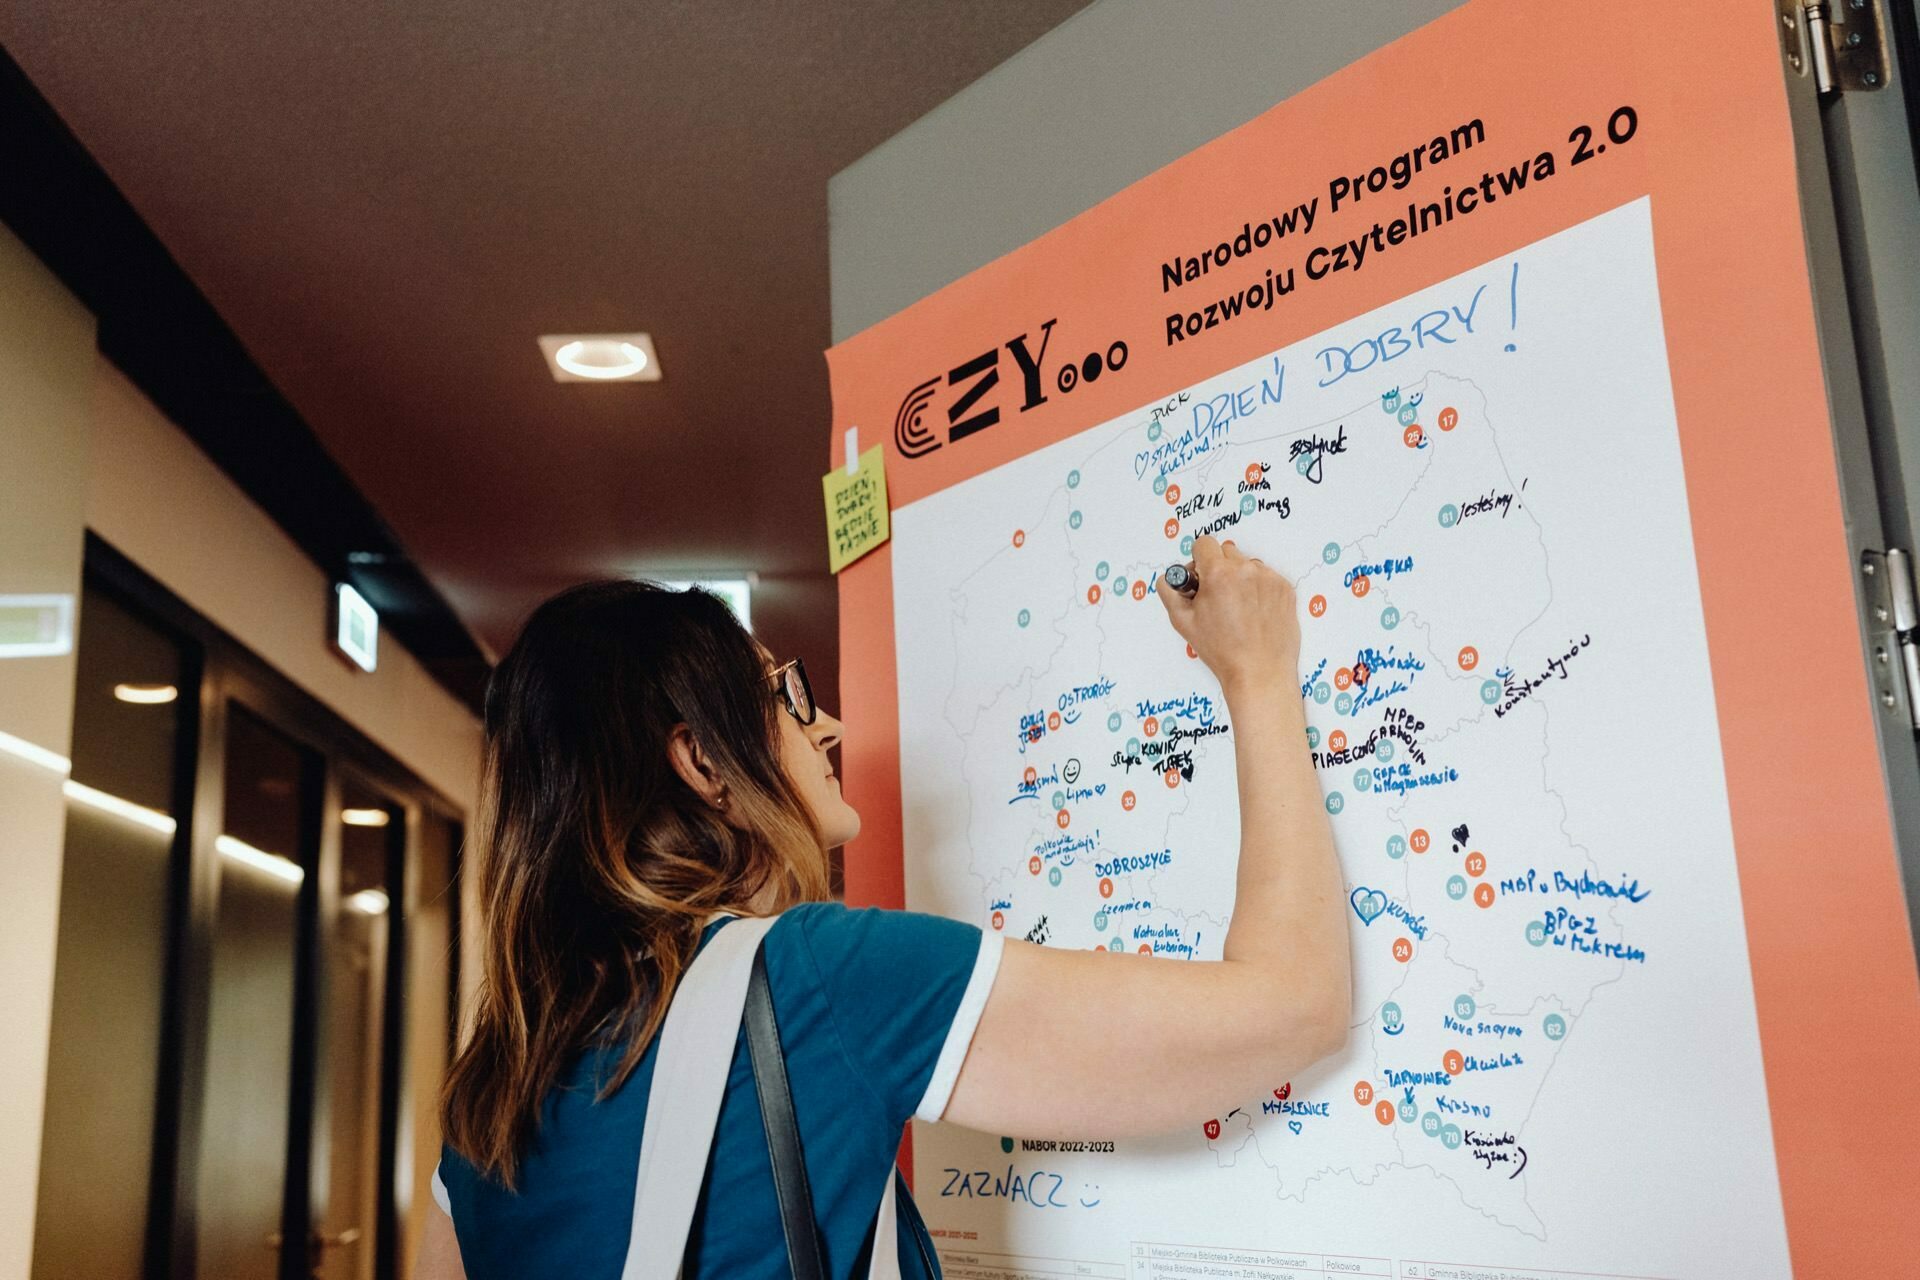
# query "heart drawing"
(1368, 904)
(1294, 1125)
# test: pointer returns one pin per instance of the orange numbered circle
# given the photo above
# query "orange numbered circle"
(1139, 589)
(1363, 1092)
(1413, 436)
(1449, 418)
(1033, 864)
(1063, 818)
(1093, 594)
(1360, 673)
(1483, 894)
(1172, 527)
(1469, 658)
(1343, 678)
(1419, 840)
(1053, 719)
(1127, 801)
(999, 921)
(1106, 888)
(1146, 949)
(1173, 494)
(1173, 778)
(1337, 740)
(1019, 537)
(1383, 1111)
(1362, 585)
(1253, 473)
(1317, 606)
(1453, 1062)
(1151, 727)
(1476, 863)
(1402, 950)
(1030, 777)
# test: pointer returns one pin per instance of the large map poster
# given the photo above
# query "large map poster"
(1520, 385)
(1489, 535)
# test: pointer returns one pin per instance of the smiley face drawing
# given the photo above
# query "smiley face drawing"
(1390, 1019)
(1092, 1187)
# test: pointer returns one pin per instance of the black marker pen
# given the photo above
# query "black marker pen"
(1182, 578)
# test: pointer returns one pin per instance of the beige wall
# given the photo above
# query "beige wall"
(46, 378)
(84, 449)
(161, 503)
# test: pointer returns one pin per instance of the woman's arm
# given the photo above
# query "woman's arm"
(1073, 1044)
(439, 1251)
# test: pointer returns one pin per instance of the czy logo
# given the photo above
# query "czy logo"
(974, 407)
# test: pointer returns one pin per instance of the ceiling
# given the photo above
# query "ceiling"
(388, 203)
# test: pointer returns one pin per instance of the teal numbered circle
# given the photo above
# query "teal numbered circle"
(1554, 1027)
(1100, 921)
(1025, 617)
(1303, 463)
(1343, 704)
(1335, 802)
(1153, 431)
(1053, 877)
(1322, 692)
(1073, 520)
(1059, 801)
(1389, 617)
(1408, 1113)
(1536, 933)
(1431, 1124)
(1408, 415)
(1114, 944)
(1390, 400)
(1073, 479)
(1330, 552)
(1186, 545)
(1383, 750)
(1133, 746)
(1456, 887)
(1449, 516)
(1113, 722)
(1450, 1137)
(1247, 504)
(1119, 586)
(1489, 691)
(1166, 725)
(1463, 1007)
(1100, 571)
(1363, 779)
(1396, 847)
(1390, 1016)
(1313, 738)
(1159, 485)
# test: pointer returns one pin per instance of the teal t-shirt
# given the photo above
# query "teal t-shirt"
(876, 1009)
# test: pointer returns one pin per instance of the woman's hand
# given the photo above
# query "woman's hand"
(1243, 621)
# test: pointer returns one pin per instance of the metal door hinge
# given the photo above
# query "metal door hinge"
(1893, 626)
(1841, 43)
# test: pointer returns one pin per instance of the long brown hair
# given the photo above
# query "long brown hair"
(597, 864)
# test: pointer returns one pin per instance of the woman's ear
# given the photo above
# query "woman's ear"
(694, 768)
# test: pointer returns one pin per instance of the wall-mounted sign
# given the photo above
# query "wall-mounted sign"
(356, 627)
(35, 626)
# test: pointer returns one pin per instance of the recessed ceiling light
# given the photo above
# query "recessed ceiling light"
(364, 817)
(146, 695)
(600, 357)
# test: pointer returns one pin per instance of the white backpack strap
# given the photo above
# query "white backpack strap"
(886, 1239)
(683, 1107)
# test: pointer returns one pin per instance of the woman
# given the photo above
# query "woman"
(648, 766)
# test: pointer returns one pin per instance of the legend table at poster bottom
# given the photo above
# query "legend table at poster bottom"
(1161, 1261)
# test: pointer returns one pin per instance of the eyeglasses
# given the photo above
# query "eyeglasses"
(795, 690)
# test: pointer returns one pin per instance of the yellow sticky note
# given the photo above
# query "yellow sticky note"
(856, 509)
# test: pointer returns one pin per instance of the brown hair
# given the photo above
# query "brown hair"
(597, 863)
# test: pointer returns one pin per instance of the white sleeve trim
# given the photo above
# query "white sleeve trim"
(973, 1001)
(440, 1196)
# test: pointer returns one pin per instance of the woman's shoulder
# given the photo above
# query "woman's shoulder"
(832, 934)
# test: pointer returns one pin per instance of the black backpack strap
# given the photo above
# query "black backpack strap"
(790, 1184)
